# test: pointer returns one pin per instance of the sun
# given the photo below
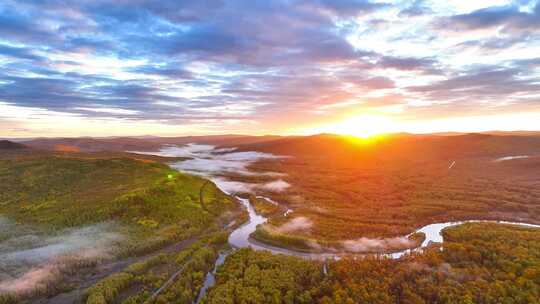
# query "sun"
(364, 126)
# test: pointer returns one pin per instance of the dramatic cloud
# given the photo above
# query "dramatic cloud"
(509, 18)
(482, 84)
(415, 9)
(216, 66)
(408, 64)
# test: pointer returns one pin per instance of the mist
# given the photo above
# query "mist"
(212, 163)
(275, 186)
(189, 150)
(31, 260)
(296, 224)
(231, 187)
(370, 245)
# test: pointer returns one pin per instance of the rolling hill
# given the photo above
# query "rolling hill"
(9, 145)
(401, 146)
(90, 144)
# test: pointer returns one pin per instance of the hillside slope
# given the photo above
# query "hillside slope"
(9, 145)
(64, 217)
(90, 144)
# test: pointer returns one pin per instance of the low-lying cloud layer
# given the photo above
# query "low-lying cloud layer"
(230, 187)
(208, 160)
(275, 186)
(28, 261)
(214, 163)
(36, 278)
(296, 224)
(377, 245)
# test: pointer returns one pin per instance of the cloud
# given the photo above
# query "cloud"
(232, 64)
(508, 18)
(496, 44)
(415, 9)
(346, 7)
(169, 70)
(408, 64)
(170, 31)
(483, 87)
(20, 27)
(108, 110)
(19, 52)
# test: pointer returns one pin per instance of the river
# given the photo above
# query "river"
(240, 238)
(209, 162)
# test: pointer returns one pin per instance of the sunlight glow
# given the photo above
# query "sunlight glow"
(360, 126)
(367, 125)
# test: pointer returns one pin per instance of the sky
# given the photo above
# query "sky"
(100, 68)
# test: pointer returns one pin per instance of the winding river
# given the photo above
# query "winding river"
(209, 162)
(240, 238)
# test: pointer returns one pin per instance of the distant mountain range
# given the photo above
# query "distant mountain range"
(402, 146)
(116, 144)
(10, 145)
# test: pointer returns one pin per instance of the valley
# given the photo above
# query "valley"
(73, 220)
(148, 226)
(270, 152)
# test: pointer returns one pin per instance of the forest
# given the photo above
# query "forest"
(374, 196)
(269, 152)
(139, 282)
(479, 263)
(156, 233)
(57, 192)
(101, 213)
